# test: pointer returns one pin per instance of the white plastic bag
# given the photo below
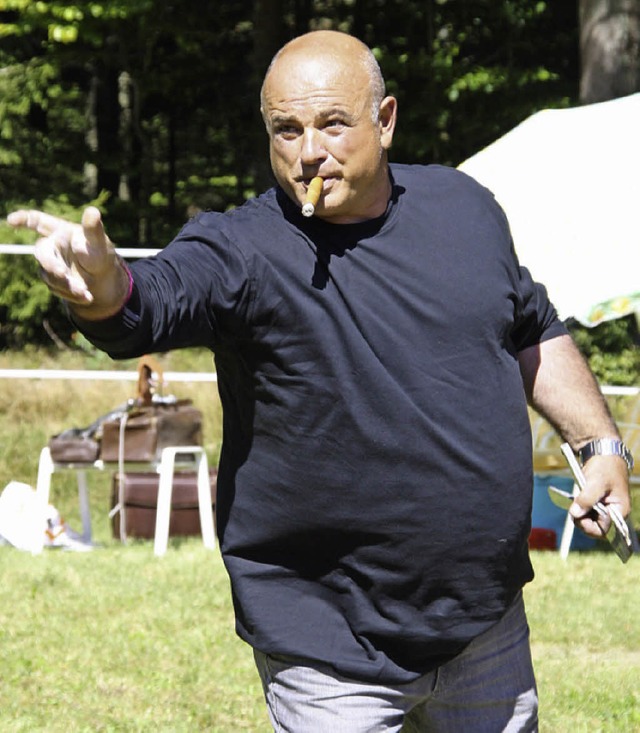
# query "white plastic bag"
(24, 525)
(21, 521)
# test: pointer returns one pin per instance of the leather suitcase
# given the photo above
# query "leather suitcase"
(150, 429)
(141, 500)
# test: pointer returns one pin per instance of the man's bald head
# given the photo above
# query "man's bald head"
(337, 49)
(327, 117)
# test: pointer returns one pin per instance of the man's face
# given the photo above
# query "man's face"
(320, 122)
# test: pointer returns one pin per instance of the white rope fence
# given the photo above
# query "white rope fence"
(132, 253)
(29, 249)
(107, 376)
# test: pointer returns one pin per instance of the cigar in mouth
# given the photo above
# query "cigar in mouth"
(313, 196)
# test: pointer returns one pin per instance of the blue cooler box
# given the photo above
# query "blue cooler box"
(546, 515)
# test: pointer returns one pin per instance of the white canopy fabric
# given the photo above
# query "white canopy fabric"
(569, 182)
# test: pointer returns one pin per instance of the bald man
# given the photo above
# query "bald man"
(374, 363)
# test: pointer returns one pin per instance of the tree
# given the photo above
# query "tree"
(610, 49)
(465, 73)
(170, 90)
(153, 106)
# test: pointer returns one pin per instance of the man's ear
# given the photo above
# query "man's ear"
(387, 120)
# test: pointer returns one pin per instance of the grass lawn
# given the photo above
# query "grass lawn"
(119, 640)
(585, 632)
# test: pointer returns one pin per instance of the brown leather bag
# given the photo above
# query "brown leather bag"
(82, 445)
(74, 446)
(138, 496)
(151, 423)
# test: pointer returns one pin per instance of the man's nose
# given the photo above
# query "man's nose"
(313, 149)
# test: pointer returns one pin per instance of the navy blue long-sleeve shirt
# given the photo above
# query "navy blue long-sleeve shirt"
(374, 487)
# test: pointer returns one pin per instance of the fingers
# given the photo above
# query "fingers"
(607, 480)
(77, 262)
(92, 221)
(46, 225)
(71, 256)
(608, 483)
(59, 270)
(592, 523)
(37, 221)
(93, 242)
(58, 267)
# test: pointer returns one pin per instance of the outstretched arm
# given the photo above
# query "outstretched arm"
(78, 262)
(560, 385)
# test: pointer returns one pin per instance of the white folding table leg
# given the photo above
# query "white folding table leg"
(85, 511)
(43, 489)
(165, 489)
(204, 503)
(163, 507)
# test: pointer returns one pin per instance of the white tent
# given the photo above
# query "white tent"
(569, 182)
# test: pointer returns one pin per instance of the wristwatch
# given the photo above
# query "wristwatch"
(606, 447)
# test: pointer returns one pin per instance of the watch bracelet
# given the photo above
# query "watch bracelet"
(606, 447)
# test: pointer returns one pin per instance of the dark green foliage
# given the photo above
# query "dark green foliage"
(465, 73)
(154, 106)
(157, 103)
(612, 350)
(26, 304)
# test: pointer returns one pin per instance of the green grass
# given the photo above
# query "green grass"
(119, 640)
(585, 632)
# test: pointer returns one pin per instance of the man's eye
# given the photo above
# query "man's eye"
(336, 124)
(286, 131)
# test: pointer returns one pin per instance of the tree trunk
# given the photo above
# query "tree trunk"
(108, 130)
(609, 48)
(91, 140)
(268, 37)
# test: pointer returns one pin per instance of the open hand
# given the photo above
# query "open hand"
(78, 261)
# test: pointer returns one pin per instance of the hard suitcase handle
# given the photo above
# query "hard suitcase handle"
(147, 385)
